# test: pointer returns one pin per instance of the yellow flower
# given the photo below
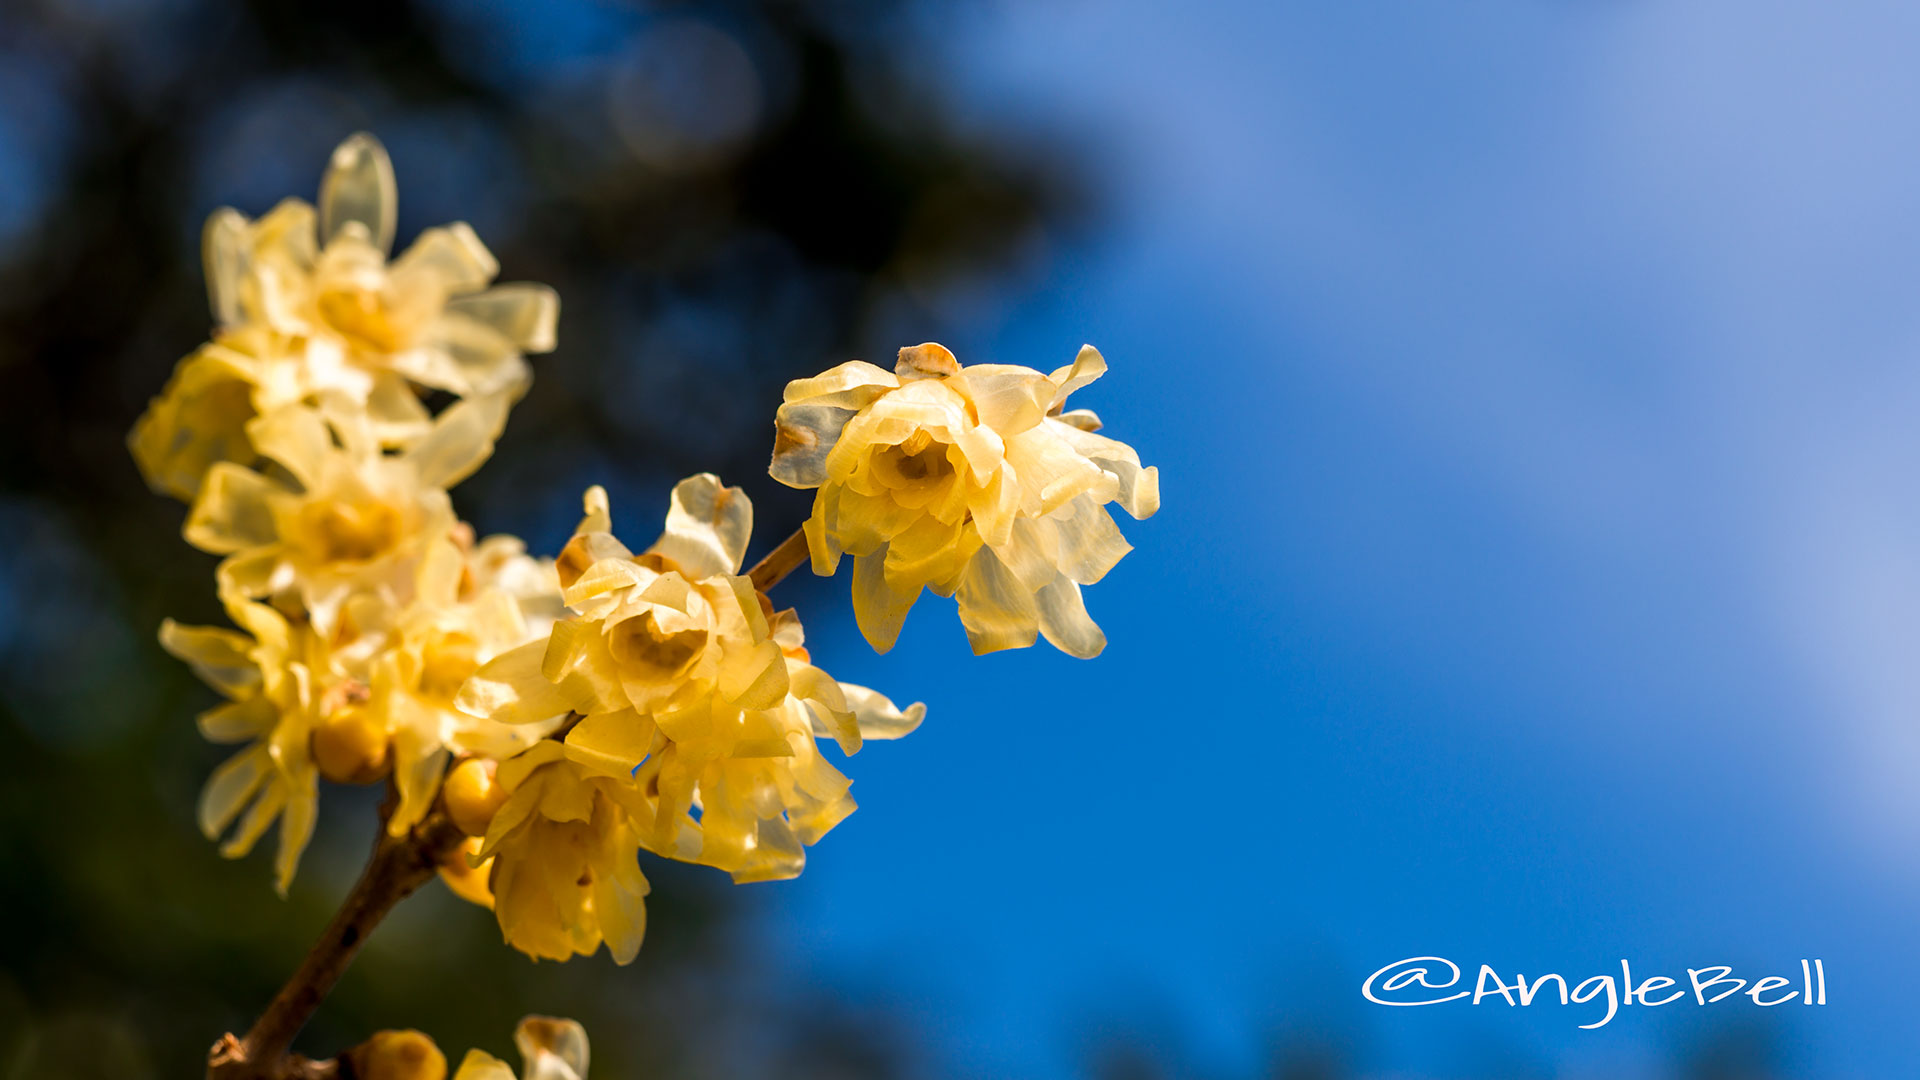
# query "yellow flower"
(688, 689)
(550, 1049)
(565, 848)
(347, 516)
(201, 417)
(969, 481)
(369, 329)
(278, 683)
(458, 617)
(309, 311)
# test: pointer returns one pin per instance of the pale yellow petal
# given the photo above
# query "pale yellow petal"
(521, 312)
(221, 658)
(1064, 620)
(997, 610)
(460, 441)
(848, 386)
(877, 715)
(298, 438)
(230, 786)
(480, 1065)
(553, 1048)
(450, 259)
(1086, 367)
(879, 609)
(232, 512)
(510, 689)
(296, 828)
(708, 526)
(238, 721)
(222, 251)
(358, 187)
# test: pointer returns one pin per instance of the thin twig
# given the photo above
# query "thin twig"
(781, 561)
(398, 867)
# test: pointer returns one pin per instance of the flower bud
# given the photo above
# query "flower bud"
(398, 1055)
(350, 746)
(468, 882)
(473, 795)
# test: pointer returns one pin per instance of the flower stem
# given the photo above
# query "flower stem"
(781, 561)
(398, 866)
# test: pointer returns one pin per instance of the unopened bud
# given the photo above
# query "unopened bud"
(468, 882)
(350, 746)
(398, 1055)
(473, 795)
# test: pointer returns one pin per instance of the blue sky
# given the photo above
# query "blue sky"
(1532, 388)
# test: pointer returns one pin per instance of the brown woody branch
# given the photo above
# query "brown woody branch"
(781, 561)
(399, 866)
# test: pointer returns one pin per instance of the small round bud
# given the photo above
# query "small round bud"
(350, 746)
(398, 1055)
(474, 884)
(472, 795)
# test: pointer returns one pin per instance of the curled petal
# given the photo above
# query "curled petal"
(851, 385)
(1086, 367)
(877, 715)
(522, 313)
(927, 360)
(708, 525)
(1064, 620)
(359, 188)
(803, 436)
(553, 1048)
(296, 437)
(480, 1065)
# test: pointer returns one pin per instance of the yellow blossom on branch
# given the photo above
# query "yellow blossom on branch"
(279, 684)
(309, 310)
(550, 1049)
(697, 709)
(968, 481)
(345, 516)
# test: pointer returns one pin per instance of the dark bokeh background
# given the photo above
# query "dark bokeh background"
(739, 194)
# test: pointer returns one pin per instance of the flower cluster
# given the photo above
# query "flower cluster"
(566, 715)
(694, 713)
(969, 481)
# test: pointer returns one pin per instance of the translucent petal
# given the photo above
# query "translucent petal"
(708, 526)
(523, 313)
(358, 187)
(296, 828)
(927, 360)
(623, 924)
(449, 259)
(848, 386)
(1090, 543)
(230, 786)
(222, 244)
(803, 435)
(1086, 367)
(232, 512)
(510, 689)
(1064, 620)
(552, 1048)
(614, 743)
(238, 721)
(997, 610)
(877, 715)
(296, 437)
(480, 1065)
(467, 358)
(1138, 489)
(877, 607)
(460, 441)
(1006, 398)
(221, 658)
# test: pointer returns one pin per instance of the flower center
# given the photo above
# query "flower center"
(446, 661)
(352, 532)
(639, 642)
(364, 318)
